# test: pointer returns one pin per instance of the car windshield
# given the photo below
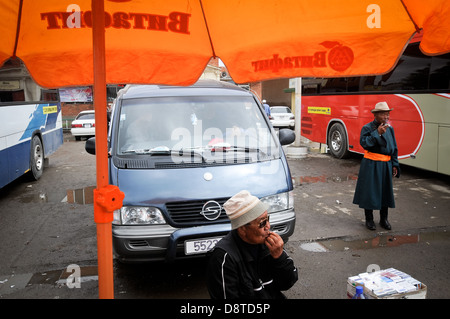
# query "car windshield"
(86, 116)
(200, 127)
(280, 110)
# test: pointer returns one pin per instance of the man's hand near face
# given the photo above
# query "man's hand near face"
(275, 244)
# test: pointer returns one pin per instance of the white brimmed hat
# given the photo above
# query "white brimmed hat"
(242, 208)
(381, 107)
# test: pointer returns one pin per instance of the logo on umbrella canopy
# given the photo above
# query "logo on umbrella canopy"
(74, 17)
(340, 58)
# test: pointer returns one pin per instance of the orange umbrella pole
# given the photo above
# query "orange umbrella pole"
(107, 198)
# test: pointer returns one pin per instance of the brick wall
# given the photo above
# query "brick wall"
(256, 88)
(273, 92)
(70, 110)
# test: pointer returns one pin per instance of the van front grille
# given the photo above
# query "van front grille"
(189, 213)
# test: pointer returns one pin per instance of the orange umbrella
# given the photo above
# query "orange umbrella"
(151, 41)
(73, 43)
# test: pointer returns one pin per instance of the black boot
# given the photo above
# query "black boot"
(369, 219)
(383, 218)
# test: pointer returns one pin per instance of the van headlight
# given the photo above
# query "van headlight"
(136, 215)
(278, 202)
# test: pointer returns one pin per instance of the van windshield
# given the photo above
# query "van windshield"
(205, 127)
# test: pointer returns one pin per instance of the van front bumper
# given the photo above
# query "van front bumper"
(163, 242)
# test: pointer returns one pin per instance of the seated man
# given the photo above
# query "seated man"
(250, 261)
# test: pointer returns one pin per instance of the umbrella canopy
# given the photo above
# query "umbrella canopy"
(170, 42)
(73, 43)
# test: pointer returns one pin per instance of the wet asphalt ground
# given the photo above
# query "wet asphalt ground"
(48, 225)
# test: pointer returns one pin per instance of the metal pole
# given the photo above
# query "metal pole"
(104, 225)
(298, 110)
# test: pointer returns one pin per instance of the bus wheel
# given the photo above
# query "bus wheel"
(36, 157)
(337, 141)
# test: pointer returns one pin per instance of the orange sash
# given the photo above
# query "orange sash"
(377, 157)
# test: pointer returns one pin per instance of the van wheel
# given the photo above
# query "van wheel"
(36, 158)
(337, 141)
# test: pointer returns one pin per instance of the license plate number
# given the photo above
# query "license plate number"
(87, 125)
(199, 246)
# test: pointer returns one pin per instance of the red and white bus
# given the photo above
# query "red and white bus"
(418, 89)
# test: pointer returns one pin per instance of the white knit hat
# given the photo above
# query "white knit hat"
(242, 208)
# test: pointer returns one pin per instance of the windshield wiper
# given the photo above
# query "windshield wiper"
(190, 151)
(159, 150)
(138, 151)
(164, 150)
(245, 149)
(193, 151)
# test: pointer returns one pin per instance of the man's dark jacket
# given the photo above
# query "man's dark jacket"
(374, 187)
(239, 270)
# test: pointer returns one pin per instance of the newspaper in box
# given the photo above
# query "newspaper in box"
(387, 284)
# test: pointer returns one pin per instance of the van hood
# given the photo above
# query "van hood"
(158, 186)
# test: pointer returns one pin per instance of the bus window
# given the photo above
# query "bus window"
(440, 72)
(411, 72)
(353, 84)
(334, 85)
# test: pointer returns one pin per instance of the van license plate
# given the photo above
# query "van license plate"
(199, 246)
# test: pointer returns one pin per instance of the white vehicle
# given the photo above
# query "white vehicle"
(281, 116)
(83, 125)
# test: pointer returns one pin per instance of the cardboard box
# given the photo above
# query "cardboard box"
(387, 284)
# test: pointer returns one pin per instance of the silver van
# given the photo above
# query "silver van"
(178, 153)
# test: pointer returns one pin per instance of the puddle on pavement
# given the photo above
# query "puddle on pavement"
(79, 196)
(381, 240)
(33, 198)
(60, 276)
(299, 180)
(68, 277)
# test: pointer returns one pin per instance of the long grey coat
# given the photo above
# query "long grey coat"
(374, 185)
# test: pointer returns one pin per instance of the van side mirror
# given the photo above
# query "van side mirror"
(90, 146)
(285, 135)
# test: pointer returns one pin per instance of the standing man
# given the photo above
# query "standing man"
(266, 108)
(380, 163)
(250, 261)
